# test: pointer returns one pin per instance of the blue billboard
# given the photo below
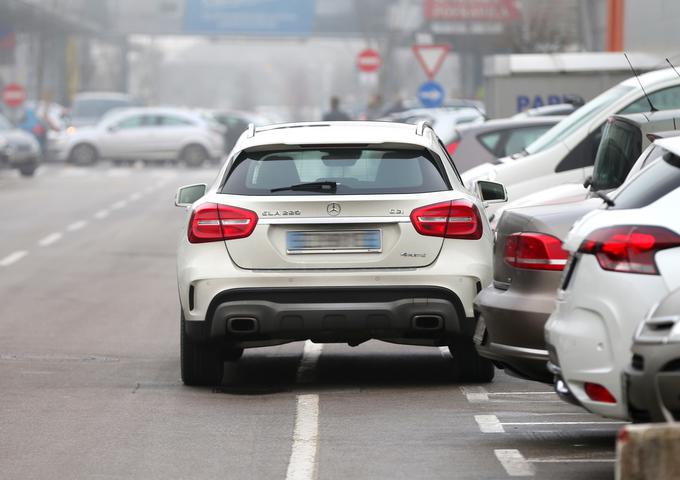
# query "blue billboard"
(249, 17)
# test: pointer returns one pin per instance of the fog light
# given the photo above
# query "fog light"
(599, 393)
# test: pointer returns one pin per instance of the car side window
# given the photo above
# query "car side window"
(665, 99)
(490, 140)
(520, 138)
(583, 155)
(172, 121)
(134, 121)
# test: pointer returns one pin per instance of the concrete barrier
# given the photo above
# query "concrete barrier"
(648, 452)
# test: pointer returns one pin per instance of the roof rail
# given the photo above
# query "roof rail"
(251, 130)
(421, 126)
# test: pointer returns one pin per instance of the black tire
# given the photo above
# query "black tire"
(28, 169)
(202, 364)
(472, 367)
(84, 154)
(194, 156)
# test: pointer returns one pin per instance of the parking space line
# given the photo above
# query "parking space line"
(118, 205)
(489, 424)
(546, 392)
(310, 355)
(50, 239)
(135, 196)
(562, 423)
(13, 257)
(302, 463)
(76, 226)
(446, 354)
(475, 394)
(101, 214)
(571, 460)
(514, 463)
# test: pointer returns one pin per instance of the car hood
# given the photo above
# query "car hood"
(18, 137)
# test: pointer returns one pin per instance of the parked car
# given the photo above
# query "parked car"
(623, 260)
(624, 137)
(18, 148)
(443, 120)
(88, 108)
(560, 109)
(149, 134)
(472, 145)
(653, 377)
(528, 264)
(335, 232)
(566, 152)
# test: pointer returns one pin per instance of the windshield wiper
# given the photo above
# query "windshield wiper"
(309, 187)
(605, 198)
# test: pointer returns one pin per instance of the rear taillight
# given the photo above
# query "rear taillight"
(212, 222)
(535, 251)
(598, 393)
(629, 248)
(456, 219)
(451, 148)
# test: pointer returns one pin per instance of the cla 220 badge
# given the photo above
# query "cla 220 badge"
(281, 213)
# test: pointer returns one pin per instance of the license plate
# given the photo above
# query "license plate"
(478, 337)
(345, 241)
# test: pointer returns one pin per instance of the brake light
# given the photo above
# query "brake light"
(535, 251)
(451, 148)
(456, 219)
(629, 248)
(599, 393)
(211, 222)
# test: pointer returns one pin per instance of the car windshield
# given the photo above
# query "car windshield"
(654, 182)
(620, 147)
(341, 171)
(96, 108)
(577, 119)
(5, 124)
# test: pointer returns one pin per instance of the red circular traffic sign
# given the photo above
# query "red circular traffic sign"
(369, 61)
(14, 95)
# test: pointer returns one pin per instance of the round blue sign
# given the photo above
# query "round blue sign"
(431, 94)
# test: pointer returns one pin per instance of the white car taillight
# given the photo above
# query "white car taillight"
(456, 219)
(211, 222)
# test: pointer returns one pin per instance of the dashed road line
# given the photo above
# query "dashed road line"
(76, 226)
(13, 257)
(302, 463)
(101, 214)
(135, 196)
(489, 424)
(118, 205)
(475, 394)
(50, 239)
(310, 356)
(514, 463)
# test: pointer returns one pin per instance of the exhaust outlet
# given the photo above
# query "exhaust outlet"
(428, 322)
(242, 325)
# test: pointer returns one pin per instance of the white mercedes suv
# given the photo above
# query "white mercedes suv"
(333, 232)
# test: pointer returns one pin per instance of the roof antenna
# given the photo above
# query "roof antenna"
(673, 67)
(651, 106)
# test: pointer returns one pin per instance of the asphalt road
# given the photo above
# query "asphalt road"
(89, 368)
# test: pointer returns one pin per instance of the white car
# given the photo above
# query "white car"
(623, 260)
(566, 152)
(334, 232)
(149, 134)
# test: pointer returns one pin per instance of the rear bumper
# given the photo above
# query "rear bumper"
(255, 317)
(514, 331)
(653, 390)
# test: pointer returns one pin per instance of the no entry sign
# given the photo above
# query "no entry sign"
(369, 61)
(13, 95)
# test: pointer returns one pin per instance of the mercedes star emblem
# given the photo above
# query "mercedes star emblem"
(333, 209)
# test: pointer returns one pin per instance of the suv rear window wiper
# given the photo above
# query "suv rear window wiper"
(309, 187)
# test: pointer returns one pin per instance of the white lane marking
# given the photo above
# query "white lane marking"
(514, 463)
(302, 463)
(118, 205)
(546, 392)
(445, 353)
(76, 226)
(101, 214)
(50, 239)
(475, 394)
(310, 355)
(134, 197)
(489, 424)
(148, 190)
(13, 257)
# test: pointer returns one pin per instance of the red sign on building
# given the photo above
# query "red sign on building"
(472, 10)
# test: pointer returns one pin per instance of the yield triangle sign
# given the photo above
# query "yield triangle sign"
(431, 57)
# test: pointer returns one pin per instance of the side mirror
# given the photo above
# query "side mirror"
(188, 194)
(491, 192)
(588, 182)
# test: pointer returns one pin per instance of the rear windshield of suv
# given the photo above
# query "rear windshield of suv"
(339, 171)
(656, 181)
